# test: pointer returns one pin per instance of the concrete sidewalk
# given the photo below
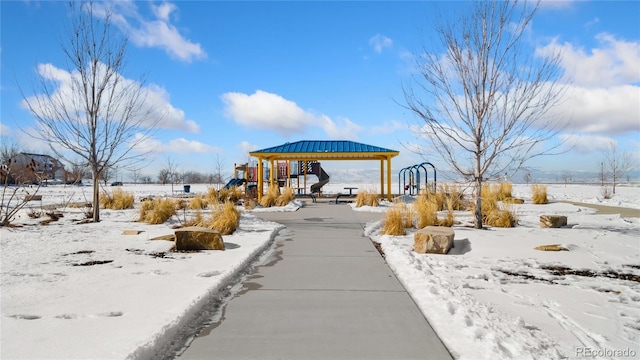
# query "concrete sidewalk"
(329, 295)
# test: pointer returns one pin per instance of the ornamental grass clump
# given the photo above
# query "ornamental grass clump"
(450, 196)
(235, 194)
(448, 221)
(157, 211)
(212, 197)
(269, 199)
(539, 194)
(288, 194)
(198, 202)
(393, 224)
(117, 200)
(504, 191)
(426, 210)
(407, 214)
(367, 198)
(503, 217)
(225, 219)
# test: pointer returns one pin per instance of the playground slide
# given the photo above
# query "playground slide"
(234, 182)
(323, 179)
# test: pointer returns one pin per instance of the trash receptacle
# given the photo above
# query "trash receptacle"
(187, 188)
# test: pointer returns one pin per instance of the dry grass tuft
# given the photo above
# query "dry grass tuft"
(448, 221)
(426, 210)
(198, 203)
(269, 199)
(504, 191)
(539, 194)
(502, 217)
(235, 194)
(117, 200)
(212, 197)
(157, 211)
(407, 214)
(196, 220)
(393, 224)
(367, 198)
(371, 199)
(287, 195)
(225, 219)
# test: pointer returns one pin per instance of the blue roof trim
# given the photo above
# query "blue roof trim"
(334, 146)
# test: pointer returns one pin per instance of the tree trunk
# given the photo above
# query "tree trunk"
(96, 197)
(478, 211)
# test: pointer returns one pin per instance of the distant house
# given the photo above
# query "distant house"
(46, 167)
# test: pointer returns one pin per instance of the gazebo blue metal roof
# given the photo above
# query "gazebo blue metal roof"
(325, 149)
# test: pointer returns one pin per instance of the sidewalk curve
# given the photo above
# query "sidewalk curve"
(329, 295)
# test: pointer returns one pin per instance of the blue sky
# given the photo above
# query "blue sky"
(240, 76)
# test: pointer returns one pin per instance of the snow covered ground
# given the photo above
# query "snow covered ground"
(89, 292)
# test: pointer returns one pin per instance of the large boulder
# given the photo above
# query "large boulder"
(198, 238)
(433, 240)
(553, 221)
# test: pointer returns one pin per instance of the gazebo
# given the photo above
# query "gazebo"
(318, 150)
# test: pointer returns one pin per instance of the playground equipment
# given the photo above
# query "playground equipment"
(414, 178)
(291, 174)
(294, 175)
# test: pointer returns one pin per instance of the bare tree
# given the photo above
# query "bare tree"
(135, 174)
(483, 97)
(95, 114)
(218, 176)
(79, 171)
(169, 173)
(616, 164)
(107, 173)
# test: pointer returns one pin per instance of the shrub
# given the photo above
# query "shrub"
(407, 214)
(539, 194)
(225, 219)
(393, 222)
(157, 211)
(117, 200)
(287, 195)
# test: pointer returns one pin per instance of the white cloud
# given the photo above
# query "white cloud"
(614, 62)
(380, 42)
(5, 130)
(603, 94)
(158, 32)
(387, 127)
(264, 110)
(184, 146)
(246, 147)
(586, 143)
(612, 110)
(175, 146)
(159, 111)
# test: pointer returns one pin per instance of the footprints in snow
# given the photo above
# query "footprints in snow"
(67, 316)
